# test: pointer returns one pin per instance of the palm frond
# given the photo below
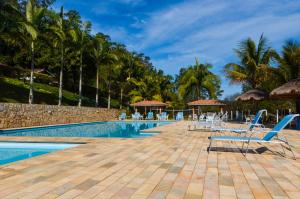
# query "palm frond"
(30, 30)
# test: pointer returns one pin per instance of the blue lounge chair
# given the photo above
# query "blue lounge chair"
(150, 116)
(163, 116)
(136, 116)
(266, 139)
(179, 116)
(122, 116)
(254, 123)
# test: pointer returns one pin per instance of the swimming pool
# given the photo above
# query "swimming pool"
(118, 129)
(15, 151)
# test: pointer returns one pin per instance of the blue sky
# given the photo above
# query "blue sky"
(174, 32)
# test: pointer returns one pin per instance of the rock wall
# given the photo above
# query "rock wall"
(13, 115)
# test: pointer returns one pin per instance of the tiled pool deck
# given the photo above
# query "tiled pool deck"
(173, 164)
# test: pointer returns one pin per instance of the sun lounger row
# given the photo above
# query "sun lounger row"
(150, 116)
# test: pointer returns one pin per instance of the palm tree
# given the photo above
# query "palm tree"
(100, 53)
(80, 37)
(34, 16)
(129, 62)
(198, 82)
(112, 65)
(289, 62)
(254, 63)
(58, 30)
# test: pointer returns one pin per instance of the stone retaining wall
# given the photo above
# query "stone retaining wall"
(24, 115)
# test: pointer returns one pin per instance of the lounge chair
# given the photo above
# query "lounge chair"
(252, 125)
(150, 116)
(163, 116)
(179, 116)
(137, 116)
(266, 139)
(122, 116)
(195, 117)
(206, 123)
(248, 119)
(202, 117)
(158, 116)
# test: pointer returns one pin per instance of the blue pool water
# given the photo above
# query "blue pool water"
(15, 151)
(95, 129)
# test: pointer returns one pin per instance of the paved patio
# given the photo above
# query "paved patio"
(173, 164)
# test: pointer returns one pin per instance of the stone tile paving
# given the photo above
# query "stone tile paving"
(173, 164)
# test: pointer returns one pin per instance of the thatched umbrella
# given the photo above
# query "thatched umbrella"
(252, 95)
(290, 90)
(199, 103)
(151, 104)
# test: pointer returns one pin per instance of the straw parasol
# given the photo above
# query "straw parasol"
(252, 95)
(148, 103)
(289, 90)
(199, 103)
(206, 103)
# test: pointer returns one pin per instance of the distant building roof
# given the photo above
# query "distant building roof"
(149, 103)
(206, 103)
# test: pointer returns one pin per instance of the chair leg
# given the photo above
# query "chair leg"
(282, 149)
(247, 148)
(243, 146)
(281, 146)
(290, 148)
(209, 147)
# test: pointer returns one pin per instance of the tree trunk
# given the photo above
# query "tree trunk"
(61, 75)
(80, 80)
(97, 86)
(108, 104)
(121, 98)
(31, 74)
(109, 88)
(198, 92)
(60, 94)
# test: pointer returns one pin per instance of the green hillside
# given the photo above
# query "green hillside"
(14, 90)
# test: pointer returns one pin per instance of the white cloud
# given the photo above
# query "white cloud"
(131, 2)
(174, 22)
(110, 7)
(173, 37)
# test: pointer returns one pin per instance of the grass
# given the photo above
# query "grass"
(17, 91)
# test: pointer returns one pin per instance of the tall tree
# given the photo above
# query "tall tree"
(253, 65)
(111, 65)
(34, 15)
(198, 82)
(60, 26)
(289, 62)
(59, 30)
(81, 39)
(100, 53)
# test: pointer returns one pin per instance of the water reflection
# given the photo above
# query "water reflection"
(102, 129)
